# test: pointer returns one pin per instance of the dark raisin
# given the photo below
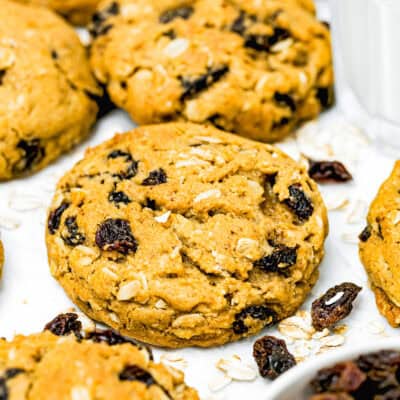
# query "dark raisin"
(256, 312)
(272, 357)
(334, 305)
(156, 177)
(378, 361)
(3, 389)
(104, 103)
(120, 153)
(98, 26)
(265, 42)
(116, 234)
(2, 74)
(13, 372)
(135, 373)
(282, 122)
(299, 202)
(285, 100)
(325, 96)
(181, 12)
(54, 220)
(365, 234)
(33, 154)
(392, 394)
(65, 324)
(193, 86)
(281, 258)
(74, 237)
(343, 377)
(119, 197)
(242, 22)
(170, 33)
(131, 171)
(54, 54)
(150, 203)
(328, 171)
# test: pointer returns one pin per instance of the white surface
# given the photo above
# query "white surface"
(29, 297)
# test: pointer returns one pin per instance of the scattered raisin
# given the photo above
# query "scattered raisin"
(54, 54)
(343, 377)
(74, 237)
(282, 122)
(116, 234)
(181, 12)
(150, 203)
(54, 220)
(242, 22)
(13, 372)
(365, 234)
(156, 177)
(328, 171)
(285, 100)
(120, 153)
(193, 86)
(281, 258)
(2, 74)
(33, 154)
(334, 305)
(256, 312)
(104, 103)
(135, 373)
(119, 197)
(325, 96)
(265, 42)
(272, 357)
(64, 324)
(299, 202)
(98, 26)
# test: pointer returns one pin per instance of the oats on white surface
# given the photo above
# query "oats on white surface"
(173, 360)
(375, 327)
(9, 223)
(332, 341)
(350, 237)
(321, 334)
(236, 369)
(298, 326)
(219, 382)
(336, 201)
(25, 202)
(357, 212)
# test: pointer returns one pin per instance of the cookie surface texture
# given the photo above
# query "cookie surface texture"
(46, 367)
(179, 234)
(250, 67)
(46, 89)
(379, 247)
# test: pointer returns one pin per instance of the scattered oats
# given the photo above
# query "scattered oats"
(191, 162)
(110, 273)
(350, 237)
(128, 290)
(236, 369)
(206, 154)
(340, 329)
(357, 212)
(301, 350)
(375, 327)
(336, 201)
(219, 382)
(396, 218)
(208, 139)
(143, 280)
(247, 247)
(80, 393)
(114, 317)
(282, 45)
(25, 202)
(321, 334)
(176, 47)
(261, 83)
(303, 78)
(207, 194)
(88, 325)
(188, 321)
(160, 304)
(84, 36)
(9, 223)
(84, 261)
(296, 328)
(174, 361)
(163, 218)
(332, 341)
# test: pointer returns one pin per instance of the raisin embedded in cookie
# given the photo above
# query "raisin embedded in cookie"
(253, 68)
(78, 12)
(46, 89)
(45, 366)
(179, 234)
(380, 250)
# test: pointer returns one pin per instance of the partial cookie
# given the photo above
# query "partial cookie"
(101, 366)
(380, 250)
(47, 92)
(79, 12)
(180, 235)
(1, 258)
(257, 68)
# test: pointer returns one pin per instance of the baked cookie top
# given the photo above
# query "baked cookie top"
(103, 366)
(250, 67)
(179, 234)
(79, 12)
(379, 247)
(46, 89)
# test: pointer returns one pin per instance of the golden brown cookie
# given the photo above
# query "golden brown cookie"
(47, 92)
(79, 12)
(380, 250)
(101, 366)
(257, 68)
(180, 235)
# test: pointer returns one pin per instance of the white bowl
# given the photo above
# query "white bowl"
(294, 384)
